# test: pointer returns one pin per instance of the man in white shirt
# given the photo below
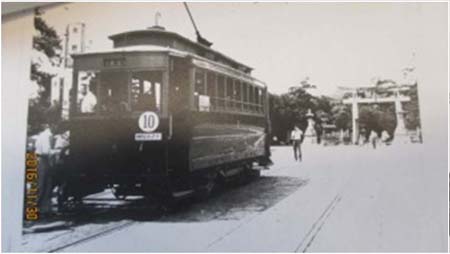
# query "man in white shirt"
(89, 100)
(373, 139)
(45, 152)
(296, 137)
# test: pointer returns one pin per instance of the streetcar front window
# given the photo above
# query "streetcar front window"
(114, 91)
(146, 90)
(87, 93)
(119, 91)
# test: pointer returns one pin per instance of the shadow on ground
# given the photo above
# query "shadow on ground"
(234, 202)
(228, 203)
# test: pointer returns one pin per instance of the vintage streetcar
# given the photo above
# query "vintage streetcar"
(162, 116)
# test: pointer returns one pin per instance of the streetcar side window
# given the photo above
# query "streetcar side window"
(235, 98)
(252, 98)
(230, 94)
(199, 82)
(264, 100)
(202, 99)
(238, 94)
(245, 95)
(211, 88)
(256, 99)
(146, 90)
(218, 92)
(260, 100)
(221, 92)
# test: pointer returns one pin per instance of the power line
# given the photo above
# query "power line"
(200, 39)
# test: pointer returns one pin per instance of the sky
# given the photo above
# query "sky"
(333, 44)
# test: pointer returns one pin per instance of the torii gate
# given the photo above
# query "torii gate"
(397, 98)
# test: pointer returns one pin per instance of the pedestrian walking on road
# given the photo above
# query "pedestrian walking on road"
(373, 139)
(296, 137)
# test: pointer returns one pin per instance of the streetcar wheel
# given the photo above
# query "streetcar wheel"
(61, 197)
(65, 201)
(254, 173)
(205, 190)
(117, 194)
(250, 174)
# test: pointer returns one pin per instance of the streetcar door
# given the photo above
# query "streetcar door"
(179, 86)
(179, 92)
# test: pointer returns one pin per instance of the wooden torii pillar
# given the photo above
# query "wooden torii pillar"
(397, 99)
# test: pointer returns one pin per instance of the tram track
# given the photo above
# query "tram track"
(94, 236)
(78, 226)
(316, 227)
(102, 216)
(117, 226)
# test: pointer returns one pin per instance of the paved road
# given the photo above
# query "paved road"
(337, 199)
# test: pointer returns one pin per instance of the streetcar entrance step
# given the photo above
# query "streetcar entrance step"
(182, 194)
(44, 227)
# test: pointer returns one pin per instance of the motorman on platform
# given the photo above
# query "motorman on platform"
(88, 101)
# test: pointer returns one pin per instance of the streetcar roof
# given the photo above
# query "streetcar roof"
(175, 40)
(207, 63)
(139, 48)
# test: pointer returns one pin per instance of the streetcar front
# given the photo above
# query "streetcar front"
(119, 122)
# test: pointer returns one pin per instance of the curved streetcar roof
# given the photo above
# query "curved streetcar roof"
(159, 35)
(197, 60)
(137, 49)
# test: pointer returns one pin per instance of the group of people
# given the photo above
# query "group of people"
(50, 146)
(373, 138)
(298, 135)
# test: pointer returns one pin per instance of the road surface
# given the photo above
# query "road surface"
(338, 199)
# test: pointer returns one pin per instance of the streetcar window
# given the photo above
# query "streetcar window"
(251, 97)
(221, 91)
(245, 95)
(263, 99)
(255, 100)
(230, 94)
(211, 87)
(87, 92)
(238, 92)
(211, 84)
(255, 95)
(259, 100)
(203, 101)
(146, 90)
(113, 91)
(200, 83)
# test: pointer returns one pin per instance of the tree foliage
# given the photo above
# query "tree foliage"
(46, 39)
(47, 42)
(378, 119)
(291, 108)
(342, 116)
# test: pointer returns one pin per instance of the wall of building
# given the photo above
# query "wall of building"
(17, 32)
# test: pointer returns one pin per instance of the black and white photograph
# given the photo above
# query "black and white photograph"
(225, 127)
